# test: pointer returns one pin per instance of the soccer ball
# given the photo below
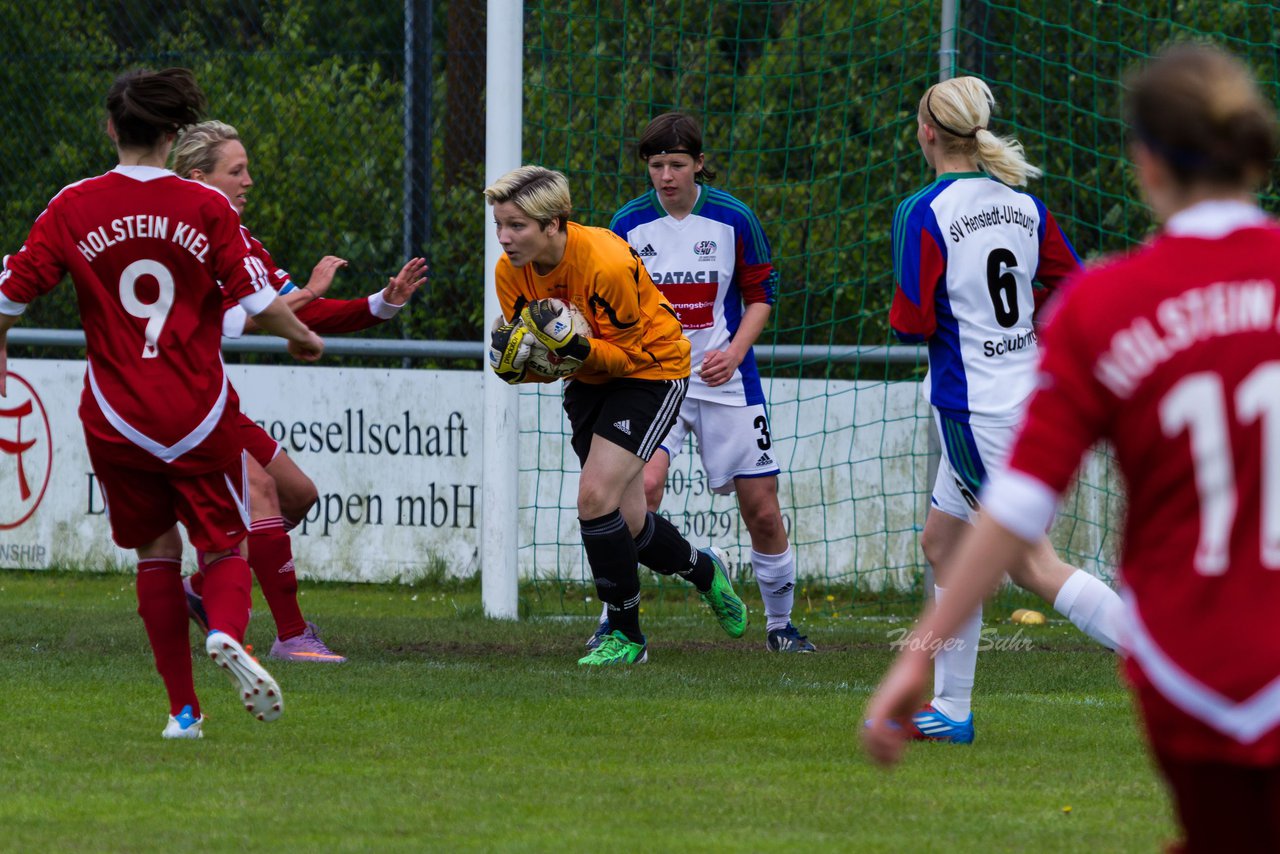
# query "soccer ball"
(542, 361)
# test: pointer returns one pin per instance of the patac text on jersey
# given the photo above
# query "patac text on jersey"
(679, 277)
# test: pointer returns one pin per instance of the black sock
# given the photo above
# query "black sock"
(661, 548)
(611, 554)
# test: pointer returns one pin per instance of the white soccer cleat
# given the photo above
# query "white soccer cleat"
(259, 691)
(184, 725)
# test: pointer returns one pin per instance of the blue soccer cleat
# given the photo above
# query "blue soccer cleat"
(932, 725)
(788, 639)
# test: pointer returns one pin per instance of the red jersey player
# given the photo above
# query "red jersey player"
(281, 494)
(1172, 354)
(152, 256)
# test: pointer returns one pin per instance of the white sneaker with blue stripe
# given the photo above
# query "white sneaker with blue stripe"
(184, 725)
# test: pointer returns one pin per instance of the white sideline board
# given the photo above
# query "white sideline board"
(396, 458)
(395, 455)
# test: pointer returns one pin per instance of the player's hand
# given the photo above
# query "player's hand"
(308, 348)
(552, 325)
(405, 284)
(509, 346)
(322, 275)
(888, 715)
(718, 367)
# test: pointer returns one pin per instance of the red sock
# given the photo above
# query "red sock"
(162, 605)
(226, 595)
(271, 557)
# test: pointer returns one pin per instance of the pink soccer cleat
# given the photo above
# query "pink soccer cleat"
(305, 647)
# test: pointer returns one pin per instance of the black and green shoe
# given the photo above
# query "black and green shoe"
(724, 602)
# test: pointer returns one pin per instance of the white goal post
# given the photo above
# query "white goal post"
(504, 116)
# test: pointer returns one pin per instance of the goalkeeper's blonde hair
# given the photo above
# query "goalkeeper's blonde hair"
(960, 110)
(541, 193)
(198, 147)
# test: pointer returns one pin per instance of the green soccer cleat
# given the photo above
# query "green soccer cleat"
(616, 648)
(724, 602)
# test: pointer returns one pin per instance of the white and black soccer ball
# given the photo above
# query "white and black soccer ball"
(541, 360)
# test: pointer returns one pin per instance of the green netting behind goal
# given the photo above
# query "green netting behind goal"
(807, 112)
(809, 117)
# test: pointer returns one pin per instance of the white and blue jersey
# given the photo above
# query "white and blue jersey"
(708, 265)
(966, 252)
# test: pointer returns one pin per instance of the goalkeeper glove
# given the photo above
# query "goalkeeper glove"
(509, 347)
(554, 328)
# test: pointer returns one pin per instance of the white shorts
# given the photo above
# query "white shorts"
(970, 455)
(733, 441)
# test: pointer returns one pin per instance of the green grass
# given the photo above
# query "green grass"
(448, 731)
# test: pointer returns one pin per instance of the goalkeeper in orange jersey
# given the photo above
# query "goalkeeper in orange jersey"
(621, 401)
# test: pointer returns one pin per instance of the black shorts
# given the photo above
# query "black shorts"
(634, 414)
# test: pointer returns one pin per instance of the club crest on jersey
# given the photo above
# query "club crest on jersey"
(704, 248)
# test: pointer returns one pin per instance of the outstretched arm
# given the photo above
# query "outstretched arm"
(317, 286)
(7, 322)
(277, 319)
(405, 284)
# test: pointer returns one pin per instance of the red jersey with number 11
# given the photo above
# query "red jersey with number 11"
(151, 255)
(1173, 356)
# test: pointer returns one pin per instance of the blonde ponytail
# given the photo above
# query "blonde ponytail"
(1004, 159)
(960, 109)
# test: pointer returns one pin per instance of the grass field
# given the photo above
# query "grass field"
(448, 731)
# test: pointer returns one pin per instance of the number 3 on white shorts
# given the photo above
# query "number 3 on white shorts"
(155, 313)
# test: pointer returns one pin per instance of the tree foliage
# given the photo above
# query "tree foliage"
(808, 108)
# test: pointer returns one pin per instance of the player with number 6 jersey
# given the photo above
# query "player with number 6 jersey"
(152, 257)
(1171, 354)
(968, 251)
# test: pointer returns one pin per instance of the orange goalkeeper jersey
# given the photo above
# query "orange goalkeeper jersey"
(635, 330)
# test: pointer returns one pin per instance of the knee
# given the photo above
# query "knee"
(933, 547)
(655, 483)
(594, 502)
(764, 524)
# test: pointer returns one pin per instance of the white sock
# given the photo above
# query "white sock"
(604, 612)
(955, 665)
(1093, 606)
(776, 578)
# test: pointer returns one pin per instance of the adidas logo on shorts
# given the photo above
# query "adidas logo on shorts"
(764, 460)
(623, 426)
(648, 251)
